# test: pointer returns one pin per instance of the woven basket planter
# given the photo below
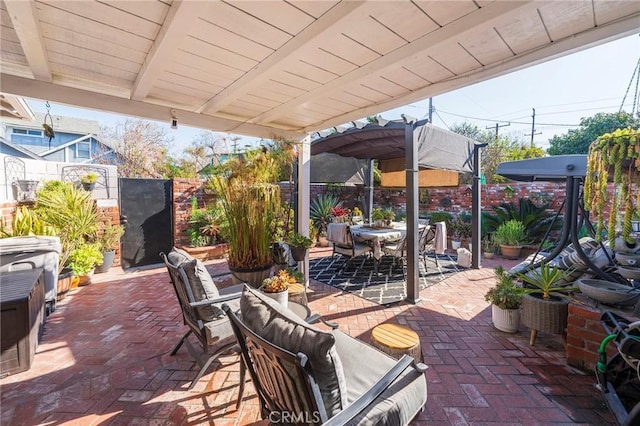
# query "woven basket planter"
(548, 316)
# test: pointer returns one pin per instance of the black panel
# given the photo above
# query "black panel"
(146, 206)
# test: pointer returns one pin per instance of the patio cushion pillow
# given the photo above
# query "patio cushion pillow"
(200, 281)
(283, 328)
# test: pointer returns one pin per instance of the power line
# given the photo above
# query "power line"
(441, 119)
(505, 121)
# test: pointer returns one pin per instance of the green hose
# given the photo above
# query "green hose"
(602, 355)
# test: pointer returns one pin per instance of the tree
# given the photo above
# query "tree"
(577, 141)
(141, 148)
(504, 148)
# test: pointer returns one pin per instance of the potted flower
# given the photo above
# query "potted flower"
(545, 303)
(505, 298)
(389, 216)
(88, 181)
(299, 244)
(510, 236)
(488, 248)
(339, 215)
(108, 240)
(377, 215)
(320, 211)
(357, 217)
(277, 287)
(83, 260)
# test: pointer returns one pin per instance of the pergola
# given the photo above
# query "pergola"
(283, 68)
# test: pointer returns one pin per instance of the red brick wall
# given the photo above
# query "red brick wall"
(111, 215)
(183, 191)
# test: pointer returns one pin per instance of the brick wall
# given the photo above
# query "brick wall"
(183, 191)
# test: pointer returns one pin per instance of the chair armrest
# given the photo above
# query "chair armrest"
(317, 317)
(216, 300)
(365, 400)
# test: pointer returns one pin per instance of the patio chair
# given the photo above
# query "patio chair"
(397, 250)
(313, 376)
(340, 235)
(435, 243)
(198, 296)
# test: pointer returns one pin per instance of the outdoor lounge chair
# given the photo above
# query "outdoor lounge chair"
(198, 296)
(322, 377)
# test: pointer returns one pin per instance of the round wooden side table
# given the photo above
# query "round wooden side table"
(396, 340)
(298, 294)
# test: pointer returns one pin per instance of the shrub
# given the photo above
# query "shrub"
(510, 233)
(506, 294)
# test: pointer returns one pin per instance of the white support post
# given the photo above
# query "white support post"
(304, 182)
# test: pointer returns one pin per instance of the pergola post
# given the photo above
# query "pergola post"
(476, 202)
(368, 190)
(304, 183)
(411, 164)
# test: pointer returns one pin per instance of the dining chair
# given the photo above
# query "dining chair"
(340, 235)
(398, 250)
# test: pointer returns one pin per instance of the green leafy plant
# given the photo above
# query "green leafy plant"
(377, 214)
(506, 294)
(460, 228)
(71, 212)
(536, 218)
(205, 224)
(25, 222)
(545, 281)
(298, 240)
(278, 283)
(110, 236)
(84, 258)
(320, 210)
(445, 217)
(510, 233)
(89, 178)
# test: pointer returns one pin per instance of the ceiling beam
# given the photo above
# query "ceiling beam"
(458, 27)
(278, 60)
(24, 17)
(35, 89)
(176, 26)
(571, 44)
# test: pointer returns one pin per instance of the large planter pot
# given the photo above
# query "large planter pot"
(64, 283)
(107, 261)
(510, 252)
(455, 244)
(548, 316)
(298, 253)
(204, 253)
(281, 297)
(252, 276)
(507, 320)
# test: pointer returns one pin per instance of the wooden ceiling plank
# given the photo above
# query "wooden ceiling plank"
(99, 58)
(284, 89)
(282, 57)
(311, 72)
(281, 15)
(314, 8)
(385, 86)
(153, 11)
(24, 18)
(328, 61)
(576, 42)
(491, 13)
(293, 80)
(350, 50)
(85, 41)
(445, 12)
(204, 85)
(122, 105)
(408, 22)
(405, 78)
(174, 92)
(205, 65)
(263, 92)
(221, 55)
(370, 33)
(454, 58)
(80, 63)
(98, 78)
(180, 18)
(178, 87)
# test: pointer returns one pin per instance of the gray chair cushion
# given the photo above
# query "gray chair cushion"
(399, 403)
(283, 328)
(200, 281)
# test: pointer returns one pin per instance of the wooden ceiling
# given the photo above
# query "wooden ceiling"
(283, 68)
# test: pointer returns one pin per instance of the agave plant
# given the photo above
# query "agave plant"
(546, 280)
(320, 210)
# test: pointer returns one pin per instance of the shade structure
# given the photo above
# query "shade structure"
(422, 146)
(327, 167)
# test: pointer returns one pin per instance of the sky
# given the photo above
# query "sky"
(562, 91)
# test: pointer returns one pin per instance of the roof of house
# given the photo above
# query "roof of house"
(61, 124)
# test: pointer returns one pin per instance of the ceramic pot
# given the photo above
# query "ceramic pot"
(281, 297)
(298, 253)
(251, 276)
(510, 252)
(107, 262)
(507, 320)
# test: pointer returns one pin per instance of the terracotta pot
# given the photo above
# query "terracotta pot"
(510, 252)
(85, 279)
(64, 283)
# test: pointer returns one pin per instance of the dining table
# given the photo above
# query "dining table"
(377, 236)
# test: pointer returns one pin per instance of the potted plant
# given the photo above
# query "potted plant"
(83, 260)
(277, 287)
(357, 216)
(389, 216)
(488, 248)
(299, 244)
(545, 303)
(509, 236)
(108, 240)
(613, 157)
(377, 215)
(505, 298)
(339, 215)
(320, 211)
(88, 181)
(251, 203)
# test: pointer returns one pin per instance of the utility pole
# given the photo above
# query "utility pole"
(533, 126)
(431, 110)
(497, 126)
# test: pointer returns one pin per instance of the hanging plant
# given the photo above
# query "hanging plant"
(613, 157)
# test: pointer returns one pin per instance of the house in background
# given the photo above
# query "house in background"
(75, 140)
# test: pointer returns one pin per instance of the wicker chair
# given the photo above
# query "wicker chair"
(322, 377)
(205, 320)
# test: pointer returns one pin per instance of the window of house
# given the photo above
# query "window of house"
(28, 137)
(83, 150)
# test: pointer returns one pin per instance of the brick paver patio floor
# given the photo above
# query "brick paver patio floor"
(104, 359)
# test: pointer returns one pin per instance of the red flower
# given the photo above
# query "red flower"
(338, 211)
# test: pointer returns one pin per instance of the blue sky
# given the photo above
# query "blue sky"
(562, 91)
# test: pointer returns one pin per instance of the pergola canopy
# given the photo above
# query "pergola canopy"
(282, 68)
